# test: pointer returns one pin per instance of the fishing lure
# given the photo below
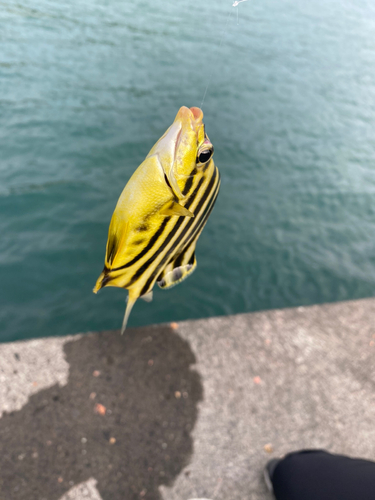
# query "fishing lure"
(161, 212)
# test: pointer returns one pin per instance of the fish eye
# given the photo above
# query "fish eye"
(205, 155)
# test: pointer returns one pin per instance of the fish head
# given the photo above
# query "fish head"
(183, 148)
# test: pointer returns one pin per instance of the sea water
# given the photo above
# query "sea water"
(88, 86)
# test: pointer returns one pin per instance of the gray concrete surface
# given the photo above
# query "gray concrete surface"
(188, 410)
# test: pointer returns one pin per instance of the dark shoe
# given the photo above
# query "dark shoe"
(269, 470)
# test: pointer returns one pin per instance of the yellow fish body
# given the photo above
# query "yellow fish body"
(161, 212)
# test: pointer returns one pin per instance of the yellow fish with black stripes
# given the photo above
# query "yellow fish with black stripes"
(161, 212)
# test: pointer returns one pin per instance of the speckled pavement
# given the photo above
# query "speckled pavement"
(188, 410)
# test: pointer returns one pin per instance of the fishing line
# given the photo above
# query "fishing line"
(235, 4)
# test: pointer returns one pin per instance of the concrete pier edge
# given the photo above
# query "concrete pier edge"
(185, 410)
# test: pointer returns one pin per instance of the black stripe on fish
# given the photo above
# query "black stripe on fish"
(192, 221)
(168, 183)
(173, 231)
(112, 248)
(206, 166)
(201, 223)
(198, 223)
(195, 232)
(188, 185)
(105, 280)
(151, 243)
(179, 261)
(158, 233)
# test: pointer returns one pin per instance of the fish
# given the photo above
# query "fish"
(161, 212)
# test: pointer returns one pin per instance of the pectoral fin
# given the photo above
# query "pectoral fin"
(173, 208)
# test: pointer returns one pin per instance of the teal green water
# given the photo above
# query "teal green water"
(87, 87)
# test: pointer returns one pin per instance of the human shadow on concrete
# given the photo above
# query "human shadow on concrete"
(144, 383)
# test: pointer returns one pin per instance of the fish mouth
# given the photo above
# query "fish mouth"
(166, 149)
(190, 116)
(198, 115)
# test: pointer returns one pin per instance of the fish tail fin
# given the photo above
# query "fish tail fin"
(130, 301)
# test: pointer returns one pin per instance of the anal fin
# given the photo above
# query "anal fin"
(179, 269)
